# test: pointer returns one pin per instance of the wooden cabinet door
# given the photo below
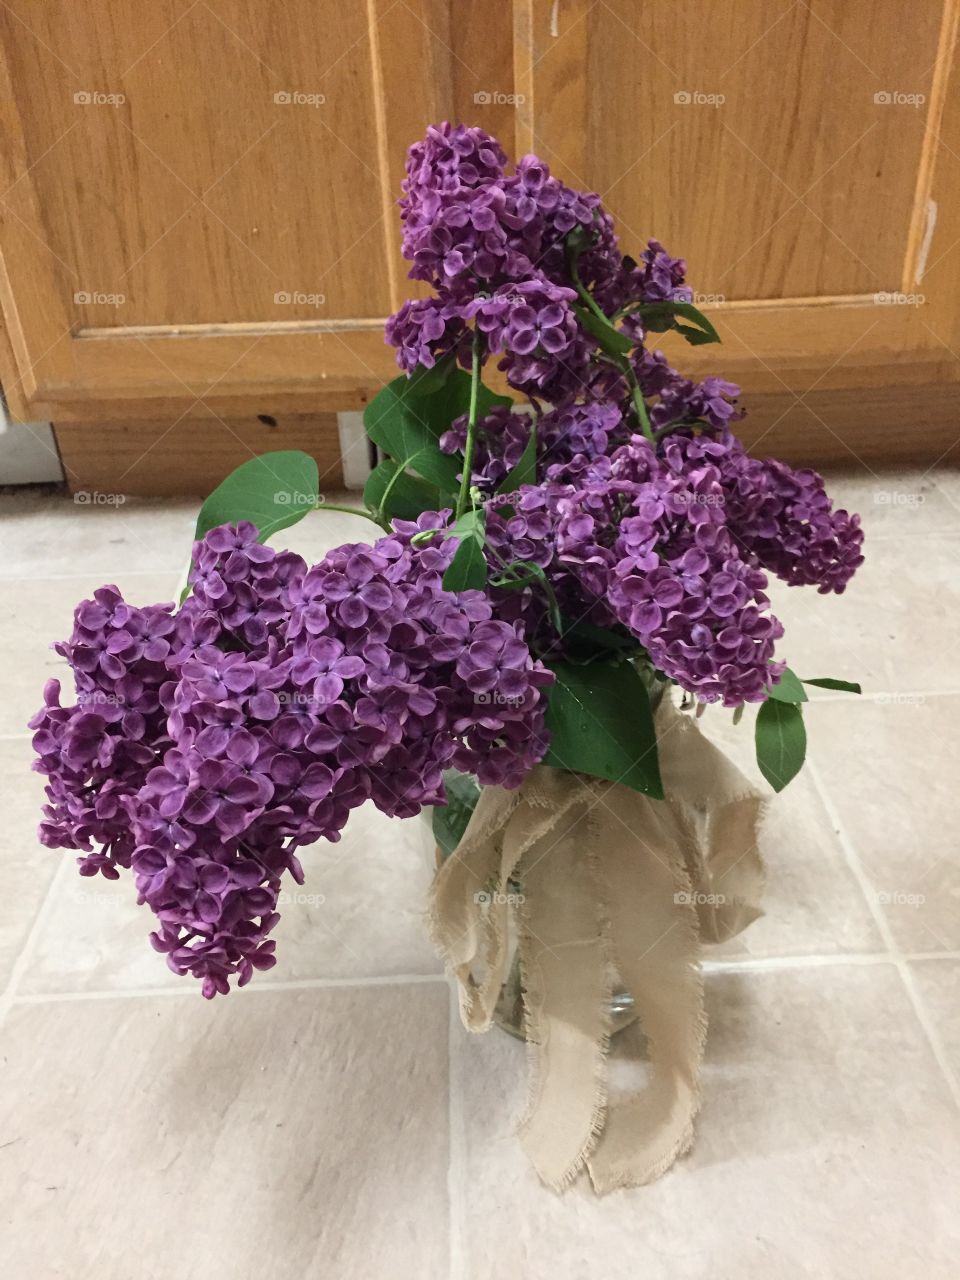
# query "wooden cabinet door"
(805, 159)
(198, 200)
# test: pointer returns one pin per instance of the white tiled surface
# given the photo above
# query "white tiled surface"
(333, 1120)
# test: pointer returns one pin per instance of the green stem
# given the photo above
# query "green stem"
(464, 495)
(355, 511)
(622, 362)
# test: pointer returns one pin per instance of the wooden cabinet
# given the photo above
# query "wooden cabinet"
(197, 218)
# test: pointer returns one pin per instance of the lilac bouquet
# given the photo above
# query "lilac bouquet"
(543, 574)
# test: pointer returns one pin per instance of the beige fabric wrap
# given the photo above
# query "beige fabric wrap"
(614, 886)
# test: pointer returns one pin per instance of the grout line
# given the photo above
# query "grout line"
(27, 575)
(21, 963)
(186, 990)
(886, 933)
(776, 964)
(456, 1142)
(190, 989)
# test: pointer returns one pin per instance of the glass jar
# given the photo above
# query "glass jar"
(445, 826)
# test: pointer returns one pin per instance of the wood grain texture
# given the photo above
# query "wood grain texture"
(191, 192)
(187, 456)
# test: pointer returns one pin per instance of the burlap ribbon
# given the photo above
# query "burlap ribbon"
(612, 885)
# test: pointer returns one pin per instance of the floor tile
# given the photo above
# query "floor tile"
(28, 868)
(893, 504)
(938, 982)
(894, 630)
(828, 1146)
(813, 903)
(360, 913)
(266, 1137)
(46, 534)
(36, 612)
(882, 767)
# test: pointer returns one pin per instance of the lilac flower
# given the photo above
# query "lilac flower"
(213, 751)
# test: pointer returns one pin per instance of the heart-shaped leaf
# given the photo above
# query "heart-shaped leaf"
(273, 491)
(600, 723)
(400, 495)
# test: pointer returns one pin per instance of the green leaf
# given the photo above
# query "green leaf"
(600, 723)
(781, 742)
(661, 316)
(592, 641)
(407, 424)
(273, 491)
(468, 568)
(789, 689)
(827, 682)
(525, 472)
(450, 820)
(408, 497)
(423, 381)
(611, 340)
(399, 421)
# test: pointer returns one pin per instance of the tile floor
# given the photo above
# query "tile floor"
(333, 1120)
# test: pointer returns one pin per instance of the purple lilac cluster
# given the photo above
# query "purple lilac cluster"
(208, 744)
(672, 543)
(493, 246)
